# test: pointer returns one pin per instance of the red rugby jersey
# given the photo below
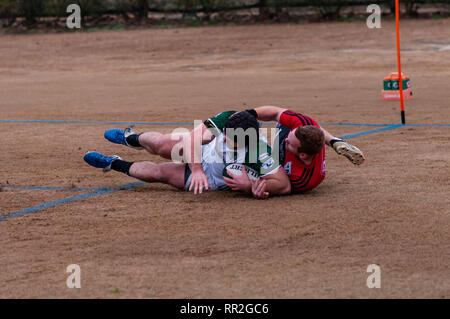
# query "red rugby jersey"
(303, 177)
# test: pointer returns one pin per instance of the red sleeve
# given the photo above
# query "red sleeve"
(293, 120)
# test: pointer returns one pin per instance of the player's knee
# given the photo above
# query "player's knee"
(151, 139)
(157, 173)
(161, 143)
(170, 144)
(162, 172)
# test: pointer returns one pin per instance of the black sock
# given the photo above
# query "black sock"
(121, 166)
(133, 140)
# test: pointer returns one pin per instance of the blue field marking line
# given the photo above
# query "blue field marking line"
(56, 188)
(387, 128)
(191, 123)
(104, 191)
(354, 124)
(99, 122)
(427, 124)
(68, 200)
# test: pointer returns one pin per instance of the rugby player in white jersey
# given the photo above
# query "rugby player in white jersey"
(229, 137)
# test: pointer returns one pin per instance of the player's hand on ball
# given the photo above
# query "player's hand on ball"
(239, 183)
(198, 181)
(353, 153)
(259, 189)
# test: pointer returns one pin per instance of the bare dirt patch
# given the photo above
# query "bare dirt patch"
(153, 241)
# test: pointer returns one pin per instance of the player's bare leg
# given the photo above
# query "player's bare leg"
(167, 173)
(154, 142)
(159, 144)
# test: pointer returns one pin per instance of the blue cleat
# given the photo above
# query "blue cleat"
(119, 136)
(100, 161)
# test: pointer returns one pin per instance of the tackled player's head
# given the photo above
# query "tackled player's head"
(241, 123)
(305, 141)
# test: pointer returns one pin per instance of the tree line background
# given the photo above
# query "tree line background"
(31, 10)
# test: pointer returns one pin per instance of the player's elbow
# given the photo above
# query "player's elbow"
(282, 188)
(279, 183)
(286, 190)
(284, 183)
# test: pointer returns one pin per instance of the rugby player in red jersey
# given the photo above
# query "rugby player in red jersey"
(301, 148)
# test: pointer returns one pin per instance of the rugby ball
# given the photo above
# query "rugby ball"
(236, 169)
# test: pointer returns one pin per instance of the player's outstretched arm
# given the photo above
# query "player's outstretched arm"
(277, 183)
(344, 148)
(354, 154)
(192, 152)
(348, 150)
(269, 113)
